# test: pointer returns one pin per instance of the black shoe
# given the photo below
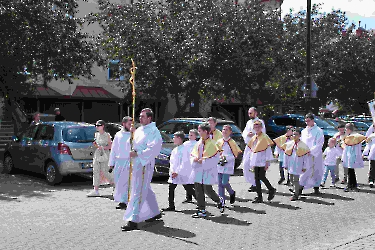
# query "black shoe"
(168, 209)
(232, 198)
(121, 206)
(281, 180)
(130, 226)
(291, 190)
(257, 200)
(300, 191)
(316, 191)
(271, 194)
(187, 201)
(252, 189)
(156, 217)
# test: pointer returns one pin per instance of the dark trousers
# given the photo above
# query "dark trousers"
(352, 179)
(200, 190)
(371, 174)
(281, 170)
(260, 175)
(189, 190)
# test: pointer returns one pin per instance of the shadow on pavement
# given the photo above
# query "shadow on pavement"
(280, 205)
(225, 219)
(336, 197)
(243, 210)
(316, 201)
(159, 228)
(30, 185)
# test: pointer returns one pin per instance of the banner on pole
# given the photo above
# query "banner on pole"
(371, 105)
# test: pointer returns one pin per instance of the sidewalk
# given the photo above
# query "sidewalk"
(364, 242)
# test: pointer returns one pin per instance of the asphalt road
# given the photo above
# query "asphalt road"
(35, 215)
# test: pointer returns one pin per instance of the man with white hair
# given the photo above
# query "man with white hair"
(247, 134)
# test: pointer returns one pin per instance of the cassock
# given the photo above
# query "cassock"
(186, 168)
(314, 138)
(339, 142)
(296, 158)
(370, 130)
(370, 147)
(142, 204)
(258, 151)
(177, 166)
(230, 150)
(352, 154)
(119, 157)
(205, 172)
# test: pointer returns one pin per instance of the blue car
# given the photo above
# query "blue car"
(55, 149)
(186, 124)
(276, 125)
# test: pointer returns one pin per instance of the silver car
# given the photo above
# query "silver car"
(55, 149)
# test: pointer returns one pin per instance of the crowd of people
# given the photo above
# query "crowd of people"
(197, 165)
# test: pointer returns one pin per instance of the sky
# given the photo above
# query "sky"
(356, 10)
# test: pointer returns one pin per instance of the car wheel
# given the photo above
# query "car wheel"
(53, 175)
(8, 167)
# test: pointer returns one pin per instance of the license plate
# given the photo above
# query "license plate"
(86, 165)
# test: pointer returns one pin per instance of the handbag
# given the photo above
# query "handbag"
(102, 157)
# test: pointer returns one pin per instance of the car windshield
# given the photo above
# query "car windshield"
(332, 122)
(361, 125)
(323, 124)
(235, 129)
(166, 138)
(79, 134)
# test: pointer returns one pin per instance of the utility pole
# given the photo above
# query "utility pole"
(308, 58)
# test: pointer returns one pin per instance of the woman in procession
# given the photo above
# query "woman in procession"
(103, 144)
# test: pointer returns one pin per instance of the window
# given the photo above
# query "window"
(29, 133)
(114, 71)
(168, 128)
(81, 135)
(185, 127)
(284, 121)
(45, 132)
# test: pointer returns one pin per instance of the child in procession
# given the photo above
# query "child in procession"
(330, 155)
(215, 134)
(204, 159)
(298, 162)
(188, 147)
(229, 152)
(279, 153)
(177, 173)
(369, 151)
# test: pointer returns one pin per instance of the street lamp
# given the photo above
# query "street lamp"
(308, 58)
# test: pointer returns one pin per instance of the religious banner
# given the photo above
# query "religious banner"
(371, 105)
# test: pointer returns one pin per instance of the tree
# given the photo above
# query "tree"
(40, 41)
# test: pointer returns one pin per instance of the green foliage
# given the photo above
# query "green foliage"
(41, 41)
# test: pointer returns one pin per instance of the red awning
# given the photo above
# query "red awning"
(92, 93)
(45, 92)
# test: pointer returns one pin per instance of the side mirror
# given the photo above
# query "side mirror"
(15, 138)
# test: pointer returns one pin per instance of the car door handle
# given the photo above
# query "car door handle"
(28, 143)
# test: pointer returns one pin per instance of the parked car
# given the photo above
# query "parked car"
(276, 125)
(162, 160)
(186, 124)
(55, 149)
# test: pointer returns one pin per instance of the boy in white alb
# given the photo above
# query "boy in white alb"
(369, 151)
(331, 153)
(188, 147)
(177, 173)
(229, 152)
(298, 162)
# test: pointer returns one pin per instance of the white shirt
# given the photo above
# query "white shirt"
(331, 155)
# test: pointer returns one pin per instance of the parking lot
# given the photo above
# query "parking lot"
(38, 216)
